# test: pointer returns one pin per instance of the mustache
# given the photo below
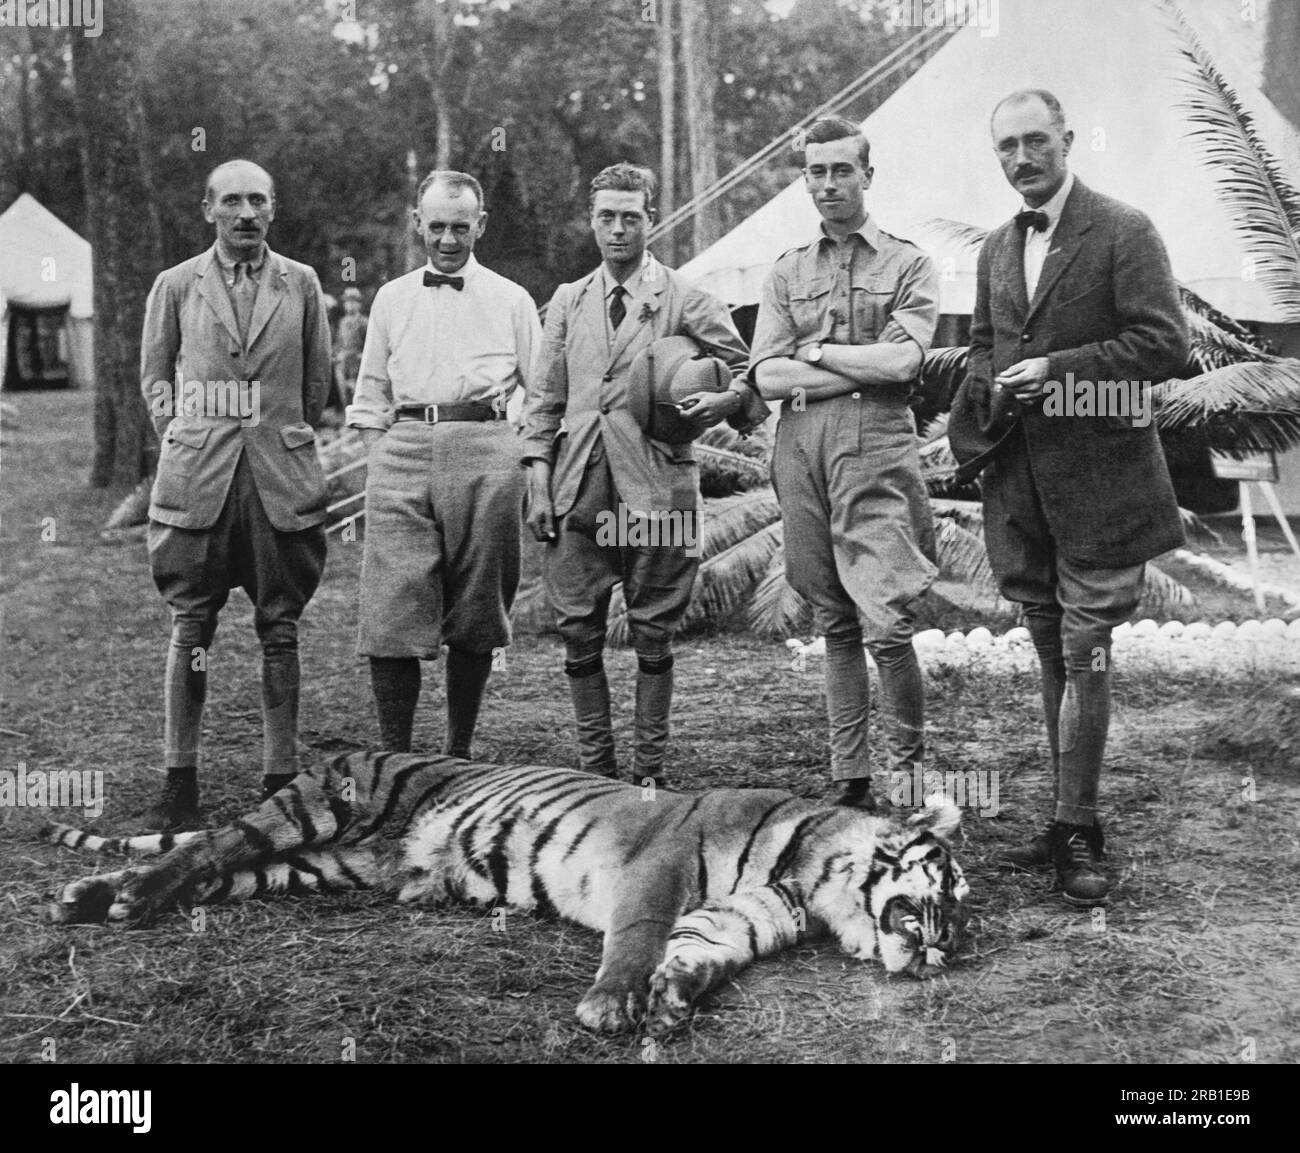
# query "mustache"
(1021, 172)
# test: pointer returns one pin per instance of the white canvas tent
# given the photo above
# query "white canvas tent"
(45, 269)
(1113, 66)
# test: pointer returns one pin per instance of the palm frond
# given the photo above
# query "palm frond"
(962, 556)
(968, 238)
(724, 471)
(1249, 407)
(775, 610)
(729, 520)
(967, 514)
(939, 468)
(1196, 529)
(942, 372)
(1263, 205)
(1216, 338)
(1162, 596)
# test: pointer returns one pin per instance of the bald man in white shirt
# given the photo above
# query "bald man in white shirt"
(446, 347)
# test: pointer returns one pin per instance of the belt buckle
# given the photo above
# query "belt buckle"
(430, 414)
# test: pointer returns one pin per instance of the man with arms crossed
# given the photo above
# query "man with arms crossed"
(842, 328)
(446, 346)
(1076, 290)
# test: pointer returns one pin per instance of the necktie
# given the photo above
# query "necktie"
(617, 309)
(434, 279)
(1032, 218)
(244, 292)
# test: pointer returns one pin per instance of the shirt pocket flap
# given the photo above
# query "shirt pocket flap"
(812, 290)
(192, 437)
(296, 435)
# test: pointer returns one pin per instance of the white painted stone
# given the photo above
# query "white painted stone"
(1197, 631)
(1172, 629)
(1250, 630)
(1224, 630)
(1146, 628)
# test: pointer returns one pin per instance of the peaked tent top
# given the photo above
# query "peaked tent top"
(1114, 66)
(43, 263)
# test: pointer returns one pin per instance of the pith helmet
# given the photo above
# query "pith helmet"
(663, 375)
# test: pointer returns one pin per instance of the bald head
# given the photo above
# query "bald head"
(240, 201)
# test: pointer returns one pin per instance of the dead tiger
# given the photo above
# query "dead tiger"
(687, 888)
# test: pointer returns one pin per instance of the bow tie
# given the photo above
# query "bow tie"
(1032, 218)
(433, 279)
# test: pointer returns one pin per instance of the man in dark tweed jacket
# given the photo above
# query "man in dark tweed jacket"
(1076, 315)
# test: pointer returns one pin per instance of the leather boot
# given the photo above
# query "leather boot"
(1036, 855)
(589, 689)
(177, 810)
(1076, 858)
(654, 698)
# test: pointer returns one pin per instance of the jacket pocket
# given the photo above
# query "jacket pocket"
(296, 435)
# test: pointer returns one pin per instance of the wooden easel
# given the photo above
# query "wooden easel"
(1256, 468)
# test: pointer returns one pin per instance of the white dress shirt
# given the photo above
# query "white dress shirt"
(437, 345)
(630, 285)
(1037, 244)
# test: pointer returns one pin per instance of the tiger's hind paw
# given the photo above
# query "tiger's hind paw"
(611, 1010)
(86, 901)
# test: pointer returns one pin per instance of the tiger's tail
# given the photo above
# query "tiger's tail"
(145, 844)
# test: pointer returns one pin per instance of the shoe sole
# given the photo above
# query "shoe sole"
(1085, 902)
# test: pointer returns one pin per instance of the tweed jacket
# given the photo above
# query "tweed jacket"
(583, 380)
(193, 363)
(1106, 308)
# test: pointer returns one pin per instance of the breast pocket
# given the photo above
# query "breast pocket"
(872, 302)
(809, 308)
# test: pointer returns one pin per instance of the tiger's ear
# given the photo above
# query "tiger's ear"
(940, 817)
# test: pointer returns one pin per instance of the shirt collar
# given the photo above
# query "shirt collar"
(1054, 207)
(468, 269)
(869, 231)
(254, 266)
(631, 284)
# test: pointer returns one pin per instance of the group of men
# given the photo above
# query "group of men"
(1074, 505)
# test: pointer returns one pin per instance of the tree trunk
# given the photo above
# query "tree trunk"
(667, 245)
(697, 54)
(124, 239)
(441, 15)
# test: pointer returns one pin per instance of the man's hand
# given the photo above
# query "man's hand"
(369, 436)
(541, 510)
(705, 409)
(1024, 379)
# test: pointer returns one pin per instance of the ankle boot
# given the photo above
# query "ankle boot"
(177, 810)
(1076, 855)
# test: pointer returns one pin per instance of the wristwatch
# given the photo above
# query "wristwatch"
(815, 353)
(740, 396)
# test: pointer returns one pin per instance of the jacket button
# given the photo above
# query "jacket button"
(607, 377)
(604, 408)
(1026, 337)
(234, 352)
(857, 396)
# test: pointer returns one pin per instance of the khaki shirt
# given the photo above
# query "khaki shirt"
(869, 289)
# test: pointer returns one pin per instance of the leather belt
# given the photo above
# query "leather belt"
(437, 413)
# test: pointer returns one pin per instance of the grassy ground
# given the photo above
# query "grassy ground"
(1195, 960)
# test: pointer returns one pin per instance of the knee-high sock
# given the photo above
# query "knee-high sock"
(1045, 631)
(902, 713)
(848, 704)
(467, 677)
(589, 689)
(280, 684)
(654, 699)
(395, 682)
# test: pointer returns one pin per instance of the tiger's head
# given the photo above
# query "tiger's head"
(892, 889)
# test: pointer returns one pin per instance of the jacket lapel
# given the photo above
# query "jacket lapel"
(1010, 269)
(644, 303)
(589, 309)
(214, 292)
(1076, 219)
(270, 292)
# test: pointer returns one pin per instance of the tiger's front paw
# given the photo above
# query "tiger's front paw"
(144, 894)
(672, 998)
(611, 1010)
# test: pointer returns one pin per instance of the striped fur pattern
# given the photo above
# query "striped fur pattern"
(687, 888)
